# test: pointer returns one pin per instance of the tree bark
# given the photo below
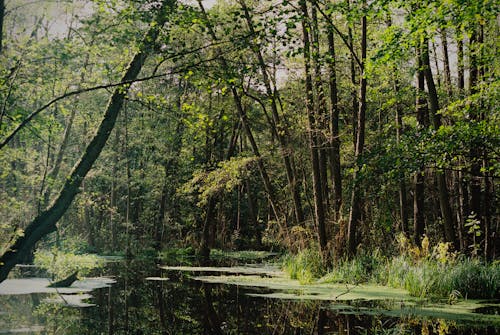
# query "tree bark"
(446, 63)
(356, 201)
(403, 213)
(45, 222)
(336, 171)
(444, 198)
(460, 65)
(2, 16)
(419, 179)
(354, 94)
(321, 110)
(319, 214)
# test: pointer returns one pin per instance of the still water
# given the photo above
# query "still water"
(132, 304)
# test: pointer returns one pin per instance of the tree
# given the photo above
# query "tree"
(45, 222)
(356, 201)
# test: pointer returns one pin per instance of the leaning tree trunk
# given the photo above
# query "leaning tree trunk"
(45, 222)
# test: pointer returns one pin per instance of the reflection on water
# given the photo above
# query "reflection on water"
(181, 305)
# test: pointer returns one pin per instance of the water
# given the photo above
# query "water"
(182, 305)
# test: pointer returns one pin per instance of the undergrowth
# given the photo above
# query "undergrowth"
(60, 264)
(423, 271)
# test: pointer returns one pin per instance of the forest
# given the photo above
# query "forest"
(354, 137)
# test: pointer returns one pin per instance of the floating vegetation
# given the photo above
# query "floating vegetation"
(265, 270)
(243, 256)
(157, 278)
(41, 285)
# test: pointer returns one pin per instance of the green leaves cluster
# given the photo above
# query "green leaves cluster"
(224, 178)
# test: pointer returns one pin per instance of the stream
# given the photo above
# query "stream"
(138, 297)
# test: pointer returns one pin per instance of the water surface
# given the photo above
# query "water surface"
(138, 297)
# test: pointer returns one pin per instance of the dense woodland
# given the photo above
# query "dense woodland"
(341, 125)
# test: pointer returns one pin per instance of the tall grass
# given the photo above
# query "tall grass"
(465, 277)
(426, 274)
(306, 266)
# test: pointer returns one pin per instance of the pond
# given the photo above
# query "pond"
(139, 297)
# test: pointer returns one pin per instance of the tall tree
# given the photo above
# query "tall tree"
(2, 17)
(356, 200)
(444, 198)
(319, 210)
(336, 172)
(422, 123)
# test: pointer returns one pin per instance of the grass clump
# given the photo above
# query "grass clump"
(362, 269)
(306, 266)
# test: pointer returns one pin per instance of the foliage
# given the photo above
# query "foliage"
(59, 264)
(220, 109)
(224, 178)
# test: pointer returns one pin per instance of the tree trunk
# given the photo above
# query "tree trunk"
(356, 201)
(334, 128)
(354, 94)
(476, 152)
(45, 222)
(460, 65)
(422, 121)
(446, 63)
(444, 198)
(403, 213)
(319, 214)
(321, 110)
